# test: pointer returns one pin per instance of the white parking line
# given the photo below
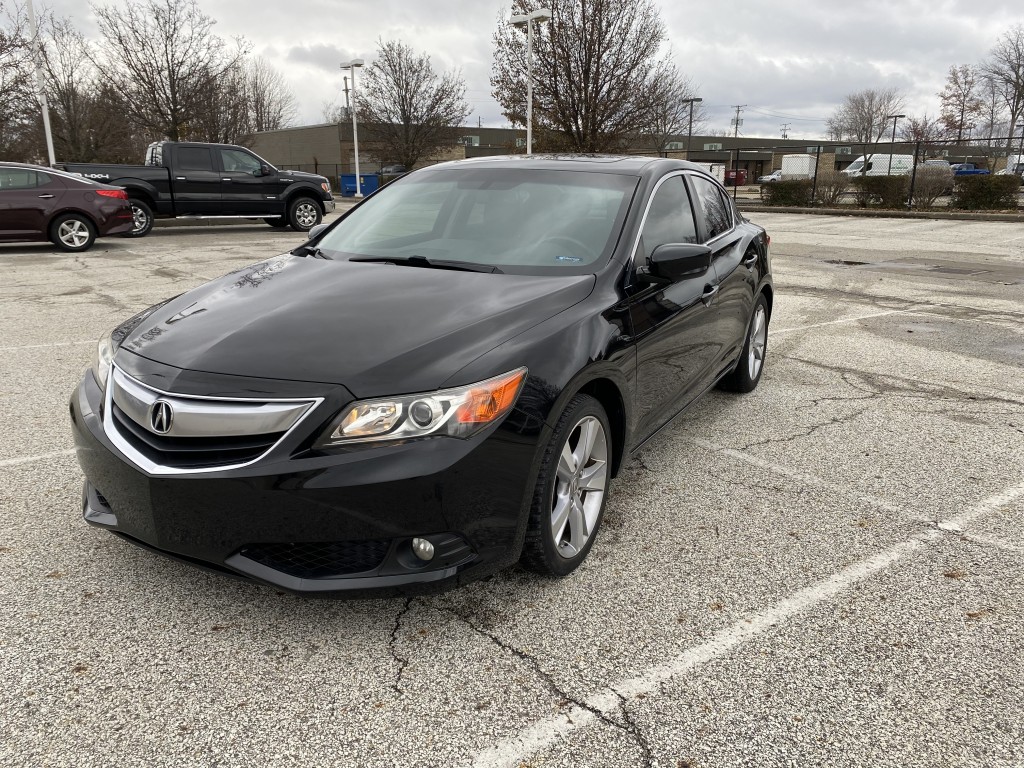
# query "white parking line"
(44, 346)
(514, 751)
(40, 457)
(852, 319)
(805, 478)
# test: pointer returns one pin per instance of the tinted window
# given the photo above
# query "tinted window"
(239, 162)
(194, 159)
(669, 219)
(524, 221)
(716, 211)
(20, 178)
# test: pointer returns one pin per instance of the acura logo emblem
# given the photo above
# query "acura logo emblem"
(161, 415)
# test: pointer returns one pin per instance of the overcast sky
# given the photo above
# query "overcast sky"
(788, 61)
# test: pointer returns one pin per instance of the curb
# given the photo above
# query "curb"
(886, 214)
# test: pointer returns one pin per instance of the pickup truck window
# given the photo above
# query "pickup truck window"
(195, 159)
(240, 162)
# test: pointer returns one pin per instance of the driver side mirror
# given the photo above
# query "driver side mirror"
(676, 261)
(316, 231)
(264, 170)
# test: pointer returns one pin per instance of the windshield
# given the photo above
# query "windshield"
(519, 220)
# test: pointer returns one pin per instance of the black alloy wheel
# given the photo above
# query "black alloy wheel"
(72, 232)
(571, 491)
(751, 364)
(304, 214)
(142, 218)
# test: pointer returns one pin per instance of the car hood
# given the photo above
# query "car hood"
(374, 328)
(313, 178)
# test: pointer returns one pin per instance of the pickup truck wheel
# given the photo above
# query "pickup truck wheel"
(279, 221)
(72, 232)
(304, 214)
(142, 216)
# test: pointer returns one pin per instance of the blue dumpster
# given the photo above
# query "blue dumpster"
(367, 184)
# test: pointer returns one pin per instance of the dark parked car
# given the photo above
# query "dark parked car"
(38, 203)
(204, 180)
(441, 382)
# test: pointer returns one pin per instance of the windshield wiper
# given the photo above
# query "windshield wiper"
(312, 251)
(423, 261)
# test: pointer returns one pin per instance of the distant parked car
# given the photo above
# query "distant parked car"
(38, 203)
(393, 170)
(773, 176)
(968, 169)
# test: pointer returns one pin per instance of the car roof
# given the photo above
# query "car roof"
(33, 166)
(626, 165)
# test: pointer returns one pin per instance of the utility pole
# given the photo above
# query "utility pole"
(37, 56)
(736, 120)
(785, 130)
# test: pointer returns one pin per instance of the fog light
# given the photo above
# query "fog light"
(423, 549)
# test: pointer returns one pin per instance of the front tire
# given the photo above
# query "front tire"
(569, 498)
(751, 365)
(142, 218)
(72, 232)
(304, 214)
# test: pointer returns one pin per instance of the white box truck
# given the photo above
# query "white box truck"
(715, 169)
(879, 165)
(798, 167)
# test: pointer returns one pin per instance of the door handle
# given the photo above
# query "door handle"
(46, 197)
(709, 294)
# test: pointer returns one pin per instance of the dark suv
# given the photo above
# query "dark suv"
(39, 203)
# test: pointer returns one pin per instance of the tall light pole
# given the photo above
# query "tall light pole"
(689, 131)
(892, 146)
(353, 65)
(1020, 148)
(541, 14)
(40, 82)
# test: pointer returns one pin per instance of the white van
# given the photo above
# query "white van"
(878, 165)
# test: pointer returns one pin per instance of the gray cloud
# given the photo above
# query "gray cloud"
(784, 58)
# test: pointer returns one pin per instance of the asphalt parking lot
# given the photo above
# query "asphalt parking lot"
(824, 572)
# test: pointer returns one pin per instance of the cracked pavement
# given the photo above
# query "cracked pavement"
(824, 572)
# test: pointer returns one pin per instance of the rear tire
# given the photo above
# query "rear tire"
(142, 218)
(304, 214)
(72, 232)
(572, 487)
(755, 349)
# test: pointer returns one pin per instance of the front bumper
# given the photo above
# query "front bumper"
(329, 204)
(322, 523)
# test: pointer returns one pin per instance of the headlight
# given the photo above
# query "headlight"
(459, 412)
(104, 355)
(326, 187)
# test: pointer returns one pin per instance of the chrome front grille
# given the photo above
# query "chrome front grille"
(167, 433)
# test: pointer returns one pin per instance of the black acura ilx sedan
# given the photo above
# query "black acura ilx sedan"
(442, 382)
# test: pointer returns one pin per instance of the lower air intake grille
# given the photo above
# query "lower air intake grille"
(319, 560)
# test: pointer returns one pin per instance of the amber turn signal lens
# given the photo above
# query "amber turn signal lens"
(492, 401)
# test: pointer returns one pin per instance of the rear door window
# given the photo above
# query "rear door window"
(195, 159)
(19, 178)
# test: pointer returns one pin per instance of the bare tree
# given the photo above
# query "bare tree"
(960, 101)
(410, 111)
(924, 129)
(271, 102)
(670, 117)
(1005, 67)
(163, 56)
(993, 116)
(19, 107)
(863, 116)
(599, 76)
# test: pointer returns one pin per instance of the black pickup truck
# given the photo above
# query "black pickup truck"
(213, 180)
